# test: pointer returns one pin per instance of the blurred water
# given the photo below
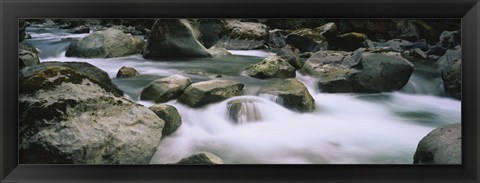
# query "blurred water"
(379, 128)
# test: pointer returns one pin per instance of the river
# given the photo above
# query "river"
(349, 128)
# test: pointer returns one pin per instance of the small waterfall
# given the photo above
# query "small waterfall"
(271, 97)
(424, 86)
(243, 111)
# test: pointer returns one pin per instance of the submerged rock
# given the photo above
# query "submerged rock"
(293, 94)
(173, 38)
(84, 68)
(165, 89)
(206, 92)
(359, 71)
(127, 72)
(271, 67)
(243, 111)
(105, 44)
(443, 145)
(201, 158)
(170, 115)
(67, 117)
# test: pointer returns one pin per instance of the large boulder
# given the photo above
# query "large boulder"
(206, 92)
(358, 71)
(306, 40)
(127, 72)
(276, 38)
(441, 146)
(450, 68)
(271, 67)
(170, 115)
(243, 111)
(27, 58)
(201, 158)
(173, 38)
(351, 41)
(292, 94)
(234, 34)
(68, 118)
(165, 89)
(105, 44)
(84, 68)
(450, 39)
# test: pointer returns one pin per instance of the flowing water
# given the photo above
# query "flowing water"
(382, 128)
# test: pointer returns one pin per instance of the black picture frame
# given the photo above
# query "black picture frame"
(12, 10)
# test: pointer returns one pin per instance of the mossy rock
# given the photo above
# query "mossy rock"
(207, 92)
(293, 93)
(170, 115)
(271, 67)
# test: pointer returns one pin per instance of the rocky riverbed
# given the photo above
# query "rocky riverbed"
(240, 91)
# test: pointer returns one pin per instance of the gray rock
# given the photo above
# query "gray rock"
(68, 118)
(271, 67)
(83, 68)
(292, 94)
(27, 58)
(218, 51)
(276, 38)
(201, 158)
(170, 115)
(165, 89)
(364, 72)
(105, 44)
(28, 47)
(173, 38)
(80, 30)
(443, 145)
(306, 40)
(449, 39)
(206, 92)
(292, 56)
(450, 68)
(418, 53)
(127, 72)
(350, 41)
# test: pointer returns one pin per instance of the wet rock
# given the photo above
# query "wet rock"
(417, 53)
(443, 145)
(359, 71)
(450, 68)
(449, 39)
(28, 47)
(306, 40)
(218, 51)
(170, 115)
(271, 67)
(165, 89)
(68, 118)
(201, 158)
(292, 93)
(105, 44)
(350, 41)
(173, 38)
(206, 92)
(127, 72)
(127, 29)
(80, 30)
(27, 58)
(243, 111)
(90, 71)
(276, 38)
(292, 56)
